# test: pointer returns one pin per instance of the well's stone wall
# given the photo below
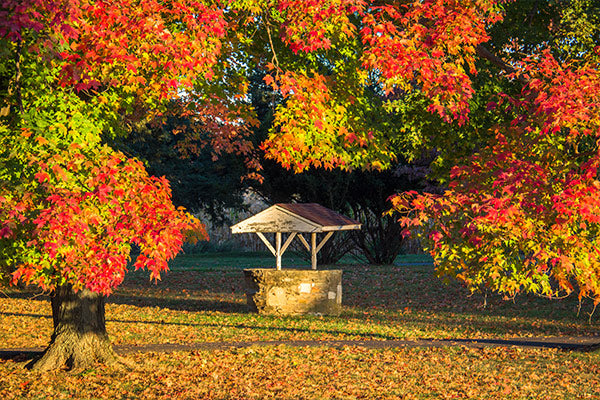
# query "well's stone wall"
(294, 291)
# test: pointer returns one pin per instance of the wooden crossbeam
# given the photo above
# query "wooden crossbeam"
(325, 239)
(314, 248)
(266, 241)
(287, 242)
(304, 242)
(279, 249)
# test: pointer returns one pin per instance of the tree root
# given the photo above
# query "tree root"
(76, 352)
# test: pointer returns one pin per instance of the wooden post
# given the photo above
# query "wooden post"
(313, 250)
(278, 249)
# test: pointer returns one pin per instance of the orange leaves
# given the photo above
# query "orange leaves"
(310, 127)
(527, 198)
(84, 228)
(270, 81)
(566, 95)
(172, 40)
(310, 24)
(427, 47)
(431, 44)
(523, 212)
(41, 140)
(222, 125)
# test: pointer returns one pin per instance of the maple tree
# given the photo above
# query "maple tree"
(76, 71)
(71, 208)
(521, 210)
(425, 49)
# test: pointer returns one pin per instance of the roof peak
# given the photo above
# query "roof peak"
(296, 217)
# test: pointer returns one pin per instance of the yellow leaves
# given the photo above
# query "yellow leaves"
(378, 165)
(322, 373)
(202, 300)
(316, 127)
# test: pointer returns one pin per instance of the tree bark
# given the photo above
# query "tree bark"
(79, 339)
(498, 62)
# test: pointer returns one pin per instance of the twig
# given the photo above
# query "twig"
(545, 296)
(592, 313)
(18, 76)
(274, 59)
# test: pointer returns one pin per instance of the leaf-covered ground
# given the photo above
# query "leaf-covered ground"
(202, 299)
(322, 373)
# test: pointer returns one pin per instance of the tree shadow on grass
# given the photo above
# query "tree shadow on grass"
(391, 290)
(396, 288)
(581, 345)
(194, 303)
(419, 317)
(179, 304)
(589, 343)
(480, 324)
(21, 356)
(228, 325)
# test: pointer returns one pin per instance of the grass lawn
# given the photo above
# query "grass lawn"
(202, 300)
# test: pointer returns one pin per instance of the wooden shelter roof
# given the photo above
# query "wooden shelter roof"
(296, 217)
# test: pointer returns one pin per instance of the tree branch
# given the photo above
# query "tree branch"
(498, 62)
(14, 85)
(274, 59)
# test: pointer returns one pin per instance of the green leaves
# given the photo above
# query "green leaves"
(71, 208)
(522, 214)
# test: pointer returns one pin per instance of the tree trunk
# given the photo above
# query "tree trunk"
(79, 339)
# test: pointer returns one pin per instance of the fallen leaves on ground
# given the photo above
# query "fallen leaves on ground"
(322, 373)
(199, 303)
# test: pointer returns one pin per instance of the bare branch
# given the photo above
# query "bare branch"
(497, 61)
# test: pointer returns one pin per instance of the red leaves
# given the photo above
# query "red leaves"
(565, 94)
(217, 123)
(402, 47)
(309, 23)
(171, 40)
(42, 176)
(522, 212)
(527, 198)
(430, 44)
(83, 232)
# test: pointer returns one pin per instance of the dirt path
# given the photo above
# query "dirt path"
(582, 344)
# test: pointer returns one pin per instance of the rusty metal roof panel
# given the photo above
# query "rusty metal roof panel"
(318, 214)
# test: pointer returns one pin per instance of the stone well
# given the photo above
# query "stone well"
(294, 291)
